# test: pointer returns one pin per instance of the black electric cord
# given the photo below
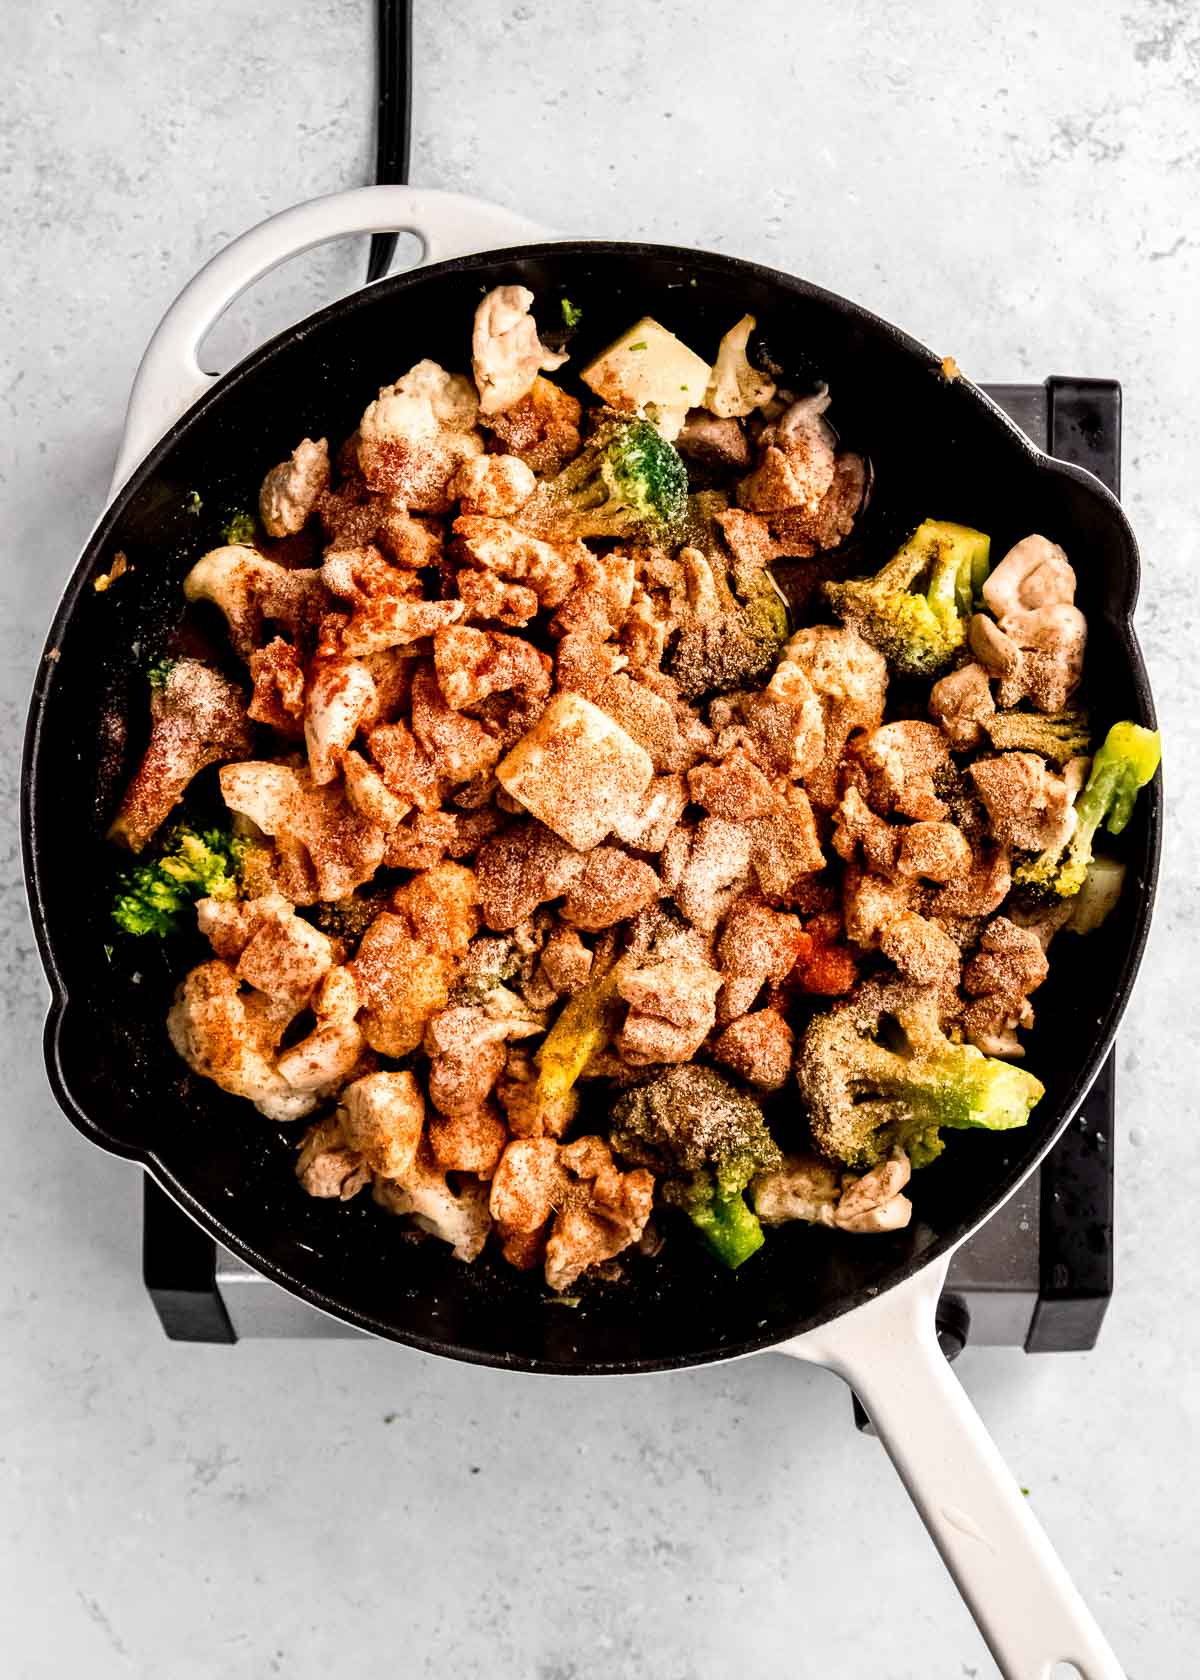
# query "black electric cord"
(393, 120)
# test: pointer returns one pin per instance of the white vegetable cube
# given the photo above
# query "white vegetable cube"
(577, 771)
(650, 371)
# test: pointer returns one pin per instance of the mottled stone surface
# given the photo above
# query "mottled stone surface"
(1017, 185)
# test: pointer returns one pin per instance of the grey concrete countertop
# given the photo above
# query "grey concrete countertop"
(1015, 184)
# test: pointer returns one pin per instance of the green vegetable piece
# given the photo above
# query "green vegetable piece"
(915, 610)
(241, 528)
(582, 1028)
(1124, 764)
(571, 314)
(866, 1096)
(706, 1140)
(159, 672)
(1058, 736)
(627, 482)
(193, 503)
(157, 895)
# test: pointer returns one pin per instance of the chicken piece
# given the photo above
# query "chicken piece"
(494, 485)
(565, 962)
(327, 1167)
(252, 592)
(610, 887)
(757, 945)
(417, 433)
(850, 678)
(353, 517)
(604, 1212)
(749, 541)
(459, 747)
(471, 664)
(542, 429)
(486, 596)
(465, 1046)
(390, 621)
(522, 867)
(870, 903)
(341, 701)
(335, 1049)
(407, 958)
(758, 1047)
(496, 545)
(718, 443)
(856, 826)
(231, 1036)
(468, 1142)
(896, 767)
(672, 1010)
(1036, 655)
(797, 462)
(960, 702)
(577, 771)
(784, 847)
(804, 1187)
(326, 848)
(807, 530)
(457, 1216)
(663, 804)
(1009, 964)
(407, 769)
(664, 727)
(920, 949)
(277, 673)
(601, 596)
(369, 794)
(1034, 573)
(934, 851)
(280, 953)
(874, 1202)
(706, 869)
(506, 353)
(197, 718)
(528, 1184)
(361, 575)
(291, 490)
(981, 891)
(1028, 806)
(735, 788)
(382, 1116)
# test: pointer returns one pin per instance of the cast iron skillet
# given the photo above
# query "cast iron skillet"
(939, 448)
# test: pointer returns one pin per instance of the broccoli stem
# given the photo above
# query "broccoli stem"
(729, 1227)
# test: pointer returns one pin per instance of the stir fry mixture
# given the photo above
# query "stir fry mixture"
(575, 884)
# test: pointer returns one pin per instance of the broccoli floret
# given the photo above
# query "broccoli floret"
(240, 528)
(734, 642)
(706, 1140)
(915, 610)
(156, 896)
(571, 314)
(159, 672)
(866, 1096)
(627, 482)
(1123, 765)
(347, 918)
(1058, 736)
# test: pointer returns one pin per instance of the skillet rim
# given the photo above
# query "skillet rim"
(151, 1160)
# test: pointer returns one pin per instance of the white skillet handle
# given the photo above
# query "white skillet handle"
(1010, 1576)
(170, 377)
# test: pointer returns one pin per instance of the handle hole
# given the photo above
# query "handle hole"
(296, 288)
(1066, 1671)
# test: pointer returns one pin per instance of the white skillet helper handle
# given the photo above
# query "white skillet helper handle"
(170, 377)
(1010, 1576)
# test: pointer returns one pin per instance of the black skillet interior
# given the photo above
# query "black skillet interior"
(938, 449)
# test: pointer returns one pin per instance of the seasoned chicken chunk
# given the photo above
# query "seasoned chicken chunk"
(381, 1116)
(961, 702)
(456, 1215)
(417, 433)
(1028, 806)
(231, 1035)
(506, 353)
(472, 664)
(197, 718)
(758, 1047)
(341, 700)
(495, 485)
(542, 429)
(896, 768)
(252, 592)
(326, 848)
(291, 490)
(327, 1166)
